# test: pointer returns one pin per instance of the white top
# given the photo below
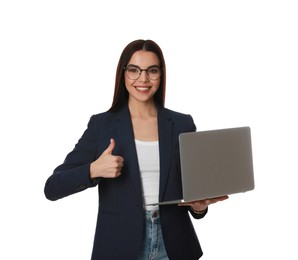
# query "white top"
(148, 158)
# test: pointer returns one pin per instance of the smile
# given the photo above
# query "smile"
(142, 88)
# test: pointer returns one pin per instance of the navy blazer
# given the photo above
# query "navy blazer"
(120, 221)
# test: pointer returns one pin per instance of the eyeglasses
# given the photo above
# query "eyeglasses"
(134, 72)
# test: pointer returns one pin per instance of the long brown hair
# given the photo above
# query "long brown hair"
(120, 92)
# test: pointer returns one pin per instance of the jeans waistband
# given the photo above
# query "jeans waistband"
(152, 214)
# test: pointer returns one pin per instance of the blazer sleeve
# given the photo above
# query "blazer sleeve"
(198, 215)
(73, 175)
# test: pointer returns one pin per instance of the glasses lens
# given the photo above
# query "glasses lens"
(154, 73)
(133, 72)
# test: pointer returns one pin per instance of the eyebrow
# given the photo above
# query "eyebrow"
(151, 66)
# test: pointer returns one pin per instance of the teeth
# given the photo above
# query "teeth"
(142, 88)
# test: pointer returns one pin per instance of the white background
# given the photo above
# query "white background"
(229, 63)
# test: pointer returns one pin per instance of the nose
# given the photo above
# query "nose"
(144, 77)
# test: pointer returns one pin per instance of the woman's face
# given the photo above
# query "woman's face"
(142, 76)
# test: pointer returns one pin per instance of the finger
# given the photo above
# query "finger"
(111, 147)
(118, 174)
(119, 159)
(115, 173)
(218, 199)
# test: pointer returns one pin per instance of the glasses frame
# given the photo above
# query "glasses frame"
(141, 70)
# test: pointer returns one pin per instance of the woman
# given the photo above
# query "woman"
(131, 153)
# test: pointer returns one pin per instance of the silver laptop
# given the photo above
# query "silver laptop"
(215, 163)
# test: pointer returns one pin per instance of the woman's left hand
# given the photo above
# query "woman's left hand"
(201, 205)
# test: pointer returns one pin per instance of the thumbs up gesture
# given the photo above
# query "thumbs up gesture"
(107, 165)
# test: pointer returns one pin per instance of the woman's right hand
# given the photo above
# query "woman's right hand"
(107, 165)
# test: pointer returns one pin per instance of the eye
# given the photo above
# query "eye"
(154, 70)
(132, 69)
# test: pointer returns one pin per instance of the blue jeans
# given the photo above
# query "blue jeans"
(153, 245)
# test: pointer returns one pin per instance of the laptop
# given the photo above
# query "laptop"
(215, 163)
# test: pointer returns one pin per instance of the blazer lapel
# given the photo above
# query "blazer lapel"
(126, 137)
(165, 132)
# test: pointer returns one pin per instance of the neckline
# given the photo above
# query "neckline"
(146, 142)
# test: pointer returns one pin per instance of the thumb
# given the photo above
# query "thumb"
(111, 147)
